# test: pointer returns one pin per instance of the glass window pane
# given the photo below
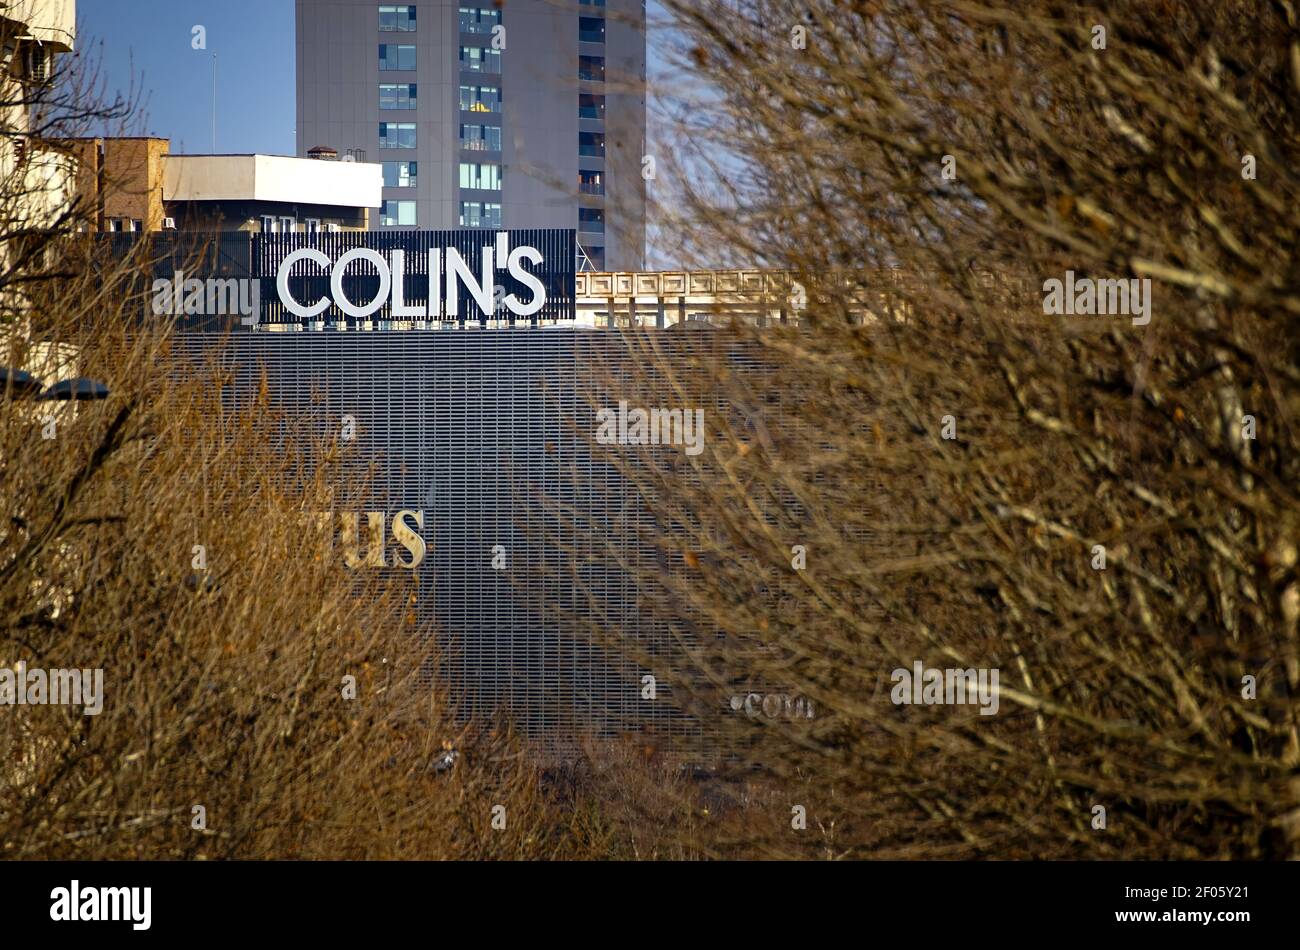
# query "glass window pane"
(396, 18)
(480, 138)
(591, 106)
(397, 213)
(399, 174)
(474, 20)
(480, 177)
(393, 56)
(397, 96)
(397, 135)
(480, 99)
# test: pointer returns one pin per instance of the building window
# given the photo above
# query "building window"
(591, 219)
(397, 213)
(591, 106)
(480, 99)
(480, 177)
(392, 56)
(480, 138)
(268, 224)
(596, 255)
(400, 174)
(591, 144)
(473, 20)
(480, 214)
(592, 3)
(397, 135)
(287, 224)
(478, 59)
(397, 95)
(591, 29)
(396, 18)
(311, 225)
(591, 183)
(591, 68)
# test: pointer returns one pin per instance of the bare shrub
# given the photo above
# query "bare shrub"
(923, 169)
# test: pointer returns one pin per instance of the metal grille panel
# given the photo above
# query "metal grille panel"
(473, 427)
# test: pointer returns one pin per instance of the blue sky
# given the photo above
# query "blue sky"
(147, 45)
(150, 42)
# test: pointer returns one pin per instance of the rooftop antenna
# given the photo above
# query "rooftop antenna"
(214, 103)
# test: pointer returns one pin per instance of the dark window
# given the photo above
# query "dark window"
(591, 219)
(591, 106)
(591, 144)
(591, 183)
(591, 68)
(591, 29)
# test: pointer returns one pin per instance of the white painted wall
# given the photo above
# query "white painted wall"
(50, 21)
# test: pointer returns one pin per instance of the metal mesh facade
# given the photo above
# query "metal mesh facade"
(477, 429)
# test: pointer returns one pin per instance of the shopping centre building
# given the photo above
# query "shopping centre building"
(481, 423)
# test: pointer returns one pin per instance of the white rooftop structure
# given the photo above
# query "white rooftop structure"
(277, 178)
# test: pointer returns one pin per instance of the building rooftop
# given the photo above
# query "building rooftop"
(282, 178)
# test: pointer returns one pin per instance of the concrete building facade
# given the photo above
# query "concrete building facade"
(35, 180)
(529, 114)
(120, 180)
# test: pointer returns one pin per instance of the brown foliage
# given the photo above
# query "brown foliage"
(1121, 687)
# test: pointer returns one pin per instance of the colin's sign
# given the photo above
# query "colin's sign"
(445, 268)
(450, 276)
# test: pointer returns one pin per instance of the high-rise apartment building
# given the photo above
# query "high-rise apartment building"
(487, 114)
